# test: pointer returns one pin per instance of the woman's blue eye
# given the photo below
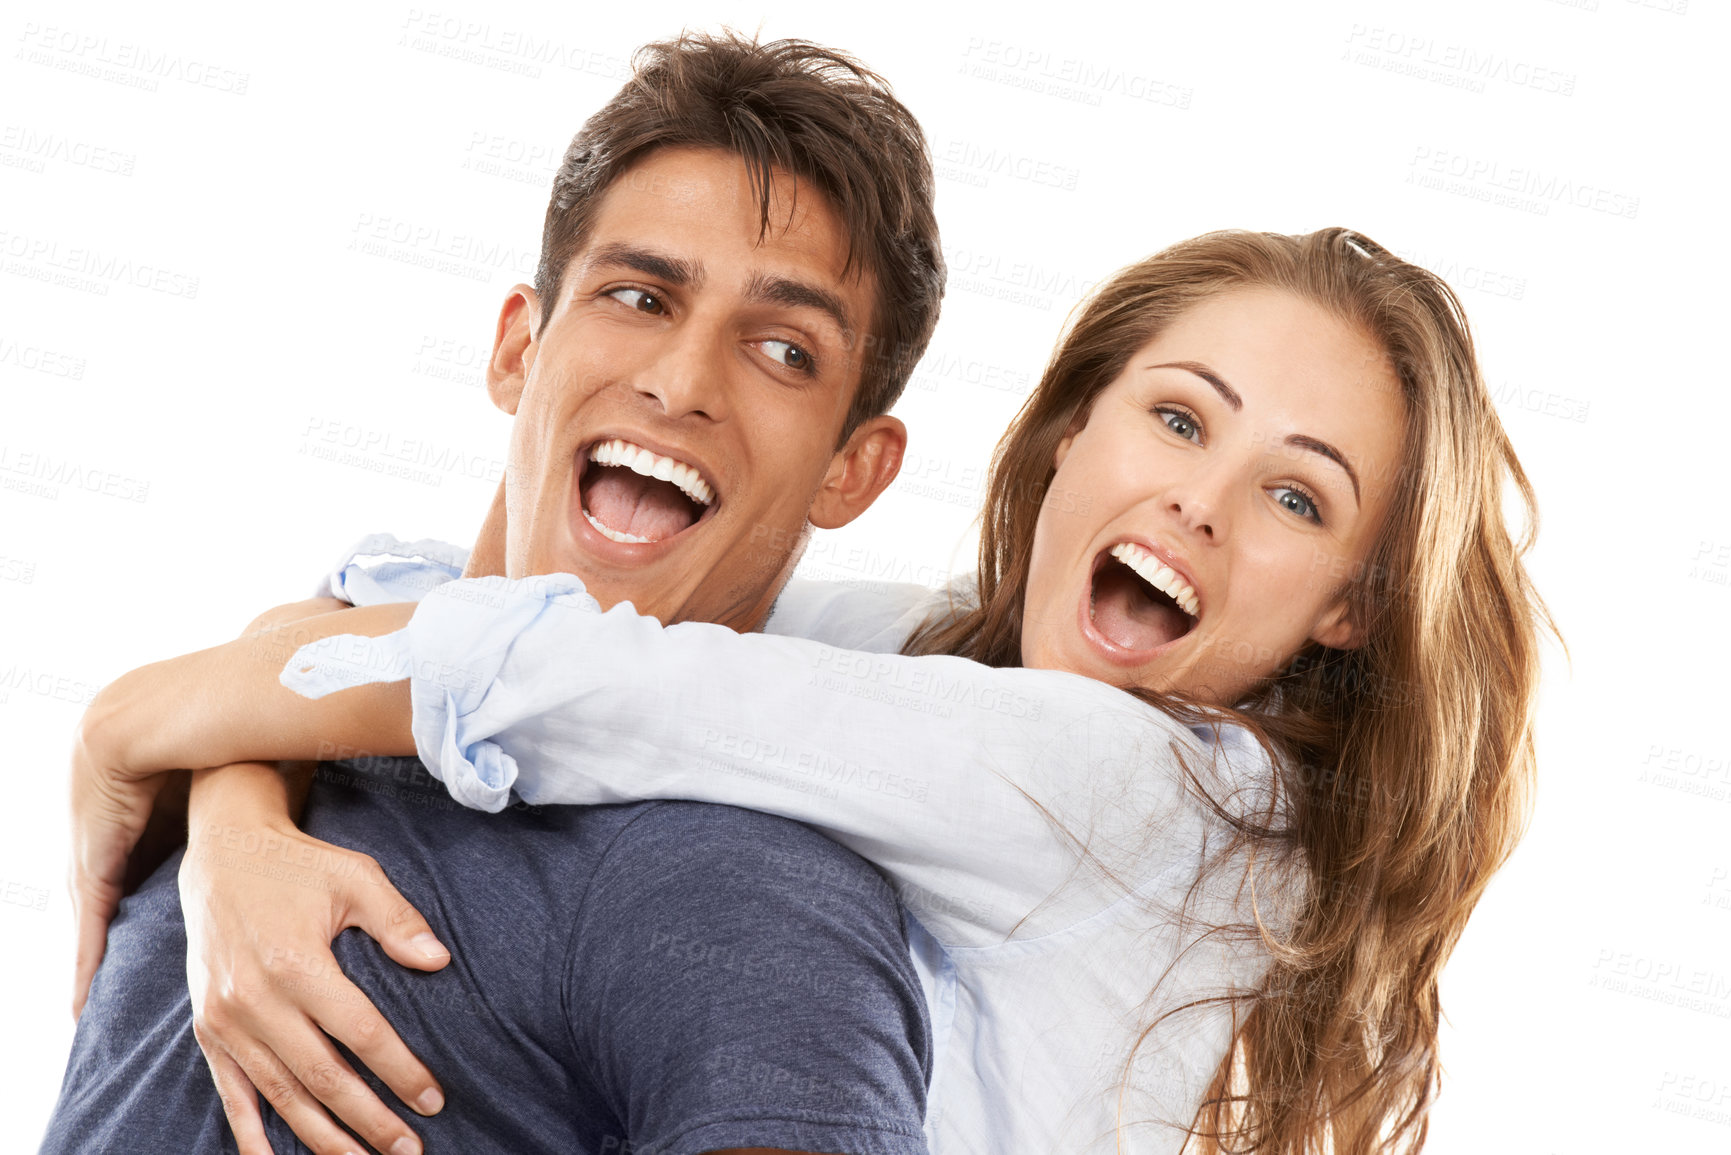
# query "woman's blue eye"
(1296, 502)
(789, 354)
(642, 301)
(1180, 423)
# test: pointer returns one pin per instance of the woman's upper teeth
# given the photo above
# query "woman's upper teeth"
(1157, 574)
(618, 451)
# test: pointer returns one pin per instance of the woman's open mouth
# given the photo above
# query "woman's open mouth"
(636, 496)
(1136, 604)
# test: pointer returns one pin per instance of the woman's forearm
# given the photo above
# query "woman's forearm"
(227, 704)
(972, 787)
(255, 789)
(278, 792)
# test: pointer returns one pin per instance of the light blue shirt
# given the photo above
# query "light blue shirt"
(974, 789)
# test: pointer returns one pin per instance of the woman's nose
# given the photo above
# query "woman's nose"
(1198, 502)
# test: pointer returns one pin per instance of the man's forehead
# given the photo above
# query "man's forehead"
(698, 203)
(689, 218)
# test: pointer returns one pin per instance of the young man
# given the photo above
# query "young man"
(739, 269)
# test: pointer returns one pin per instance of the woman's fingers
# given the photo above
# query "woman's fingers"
(370, 903)
(109, 812)
(340, 1009)
(94, 902)
(239, 1100)
(294, 1066)
(377, 907)
(300, 1108)
(267, 988)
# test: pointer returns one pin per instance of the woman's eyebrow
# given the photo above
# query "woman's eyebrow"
(1300, 441)
(1296, 440)
(1227, 392)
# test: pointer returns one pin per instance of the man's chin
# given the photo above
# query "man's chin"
(651, 576)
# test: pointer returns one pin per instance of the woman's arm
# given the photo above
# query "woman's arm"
(226, 704)
(974, 788)
(125, 775)
(139, 722)
(114, 813)
(249, 933)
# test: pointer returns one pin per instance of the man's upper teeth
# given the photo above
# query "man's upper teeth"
(640, 460)
(1157, 574)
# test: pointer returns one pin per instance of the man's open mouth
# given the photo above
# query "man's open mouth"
(1137, 602)
(634, 495)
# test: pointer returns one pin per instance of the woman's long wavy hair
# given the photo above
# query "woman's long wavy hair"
(1405, 764)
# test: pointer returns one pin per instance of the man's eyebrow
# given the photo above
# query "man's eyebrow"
(661, 266)
(1300, 441)
(1227, 392)
(765, 289)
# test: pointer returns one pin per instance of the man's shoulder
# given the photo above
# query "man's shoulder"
(741, 876)
(723, 845)
(874, 616)
(747, 981)
(395, 806)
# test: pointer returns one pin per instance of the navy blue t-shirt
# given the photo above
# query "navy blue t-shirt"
(652, 979)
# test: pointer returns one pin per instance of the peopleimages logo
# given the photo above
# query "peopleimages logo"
(89, 269)
(1073, 78)
(22, 147)
(41, 474)
(521, 51)
(438, 250)
(122, 61)
(1455, 65)
(1468, 275)
(40, 360)
(1522, 187)
(383, 451)
(969, 163)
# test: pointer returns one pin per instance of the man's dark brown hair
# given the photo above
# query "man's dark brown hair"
(789, 105)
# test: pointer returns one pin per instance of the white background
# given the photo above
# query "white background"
(189, 308)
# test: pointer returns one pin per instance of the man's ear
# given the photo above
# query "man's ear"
(1338, 628)
(861, 470)
(513, 348)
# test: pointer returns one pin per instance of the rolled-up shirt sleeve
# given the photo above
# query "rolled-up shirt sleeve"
(381, 568)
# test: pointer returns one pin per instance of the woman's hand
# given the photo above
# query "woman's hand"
(110, 811)
(262, 903)
(119, 773)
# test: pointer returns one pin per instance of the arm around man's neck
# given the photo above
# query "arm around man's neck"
(227, 704)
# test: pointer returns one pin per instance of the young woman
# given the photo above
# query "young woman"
(1201, 894)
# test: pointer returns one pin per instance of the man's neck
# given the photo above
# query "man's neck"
(487, 558)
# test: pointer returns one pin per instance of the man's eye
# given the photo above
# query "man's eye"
(643, 302)
(1181, 423)
(790, 355)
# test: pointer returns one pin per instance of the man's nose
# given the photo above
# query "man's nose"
(688, 376)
